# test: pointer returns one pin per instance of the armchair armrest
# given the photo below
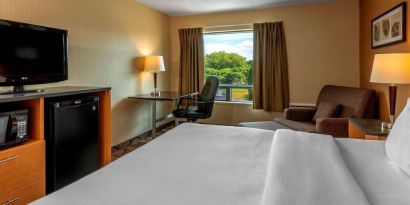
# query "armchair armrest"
(302, 114)
(337, 127)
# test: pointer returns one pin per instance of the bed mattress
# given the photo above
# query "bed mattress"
(223, 165)
(191, 164)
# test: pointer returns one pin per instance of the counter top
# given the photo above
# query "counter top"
(51, 92)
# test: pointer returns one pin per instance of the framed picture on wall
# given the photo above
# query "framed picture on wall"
(390, 27)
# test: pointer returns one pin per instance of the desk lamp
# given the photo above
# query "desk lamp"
(154, 64)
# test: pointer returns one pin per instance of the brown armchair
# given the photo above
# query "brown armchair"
(300, 113)
(337, 127)
(353, 103)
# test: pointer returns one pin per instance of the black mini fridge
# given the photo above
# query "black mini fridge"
(72, 147)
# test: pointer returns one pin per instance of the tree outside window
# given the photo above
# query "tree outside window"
(229, 55)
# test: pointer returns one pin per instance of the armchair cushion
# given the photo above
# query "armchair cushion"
(337, 127)
(301, 114)
(356, 102)
(327, 110)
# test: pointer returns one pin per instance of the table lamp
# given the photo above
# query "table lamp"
(391, 69)
(154, 64)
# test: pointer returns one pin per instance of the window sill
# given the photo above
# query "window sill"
(234, 103)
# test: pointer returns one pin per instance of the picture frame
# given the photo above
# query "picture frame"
(390, 27)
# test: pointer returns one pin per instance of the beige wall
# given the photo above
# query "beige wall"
(370, 9)
(323, 48)
(105, 37)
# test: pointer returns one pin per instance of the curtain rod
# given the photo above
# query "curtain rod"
(229, 25)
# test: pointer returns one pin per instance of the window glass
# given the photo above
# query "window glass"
(229, 55)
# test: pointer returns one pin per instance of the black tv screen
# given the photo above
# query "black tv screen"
(31, 54)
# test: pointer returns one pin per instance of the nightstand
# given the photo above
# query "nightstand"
(368, 129)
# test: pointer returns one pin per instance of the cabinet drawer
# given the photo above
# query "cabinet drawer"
(24, 195)
(21, 165)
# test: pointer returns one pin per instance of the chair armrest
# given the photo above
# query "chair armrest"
(302, 114)
(180, 100)
(188, 98)
(193, 94)
(337, 127)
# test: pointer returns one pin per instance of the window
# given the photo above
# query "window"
(229, 55)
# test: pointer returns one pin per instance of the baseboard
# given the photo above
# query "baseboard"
(302, 105)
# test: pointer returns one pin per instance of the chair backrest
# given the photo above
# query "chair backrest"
(356, 102)
(210, 89)
(208, 94)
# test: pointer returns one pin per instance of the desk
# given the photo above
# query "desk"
(165, 96)
(368, 129)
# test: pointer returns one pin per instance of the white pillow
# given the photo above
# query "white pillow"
(398, 141)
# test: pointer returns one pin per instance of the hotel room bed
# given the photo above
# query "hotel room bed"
(221, 165)
(381, 180)
(191, 164)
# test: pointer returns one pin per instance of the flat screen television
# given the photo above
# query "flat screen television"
(31, 54)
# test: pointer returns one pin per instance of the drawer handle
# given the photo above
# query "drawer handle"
(9, 159)
(10, 201)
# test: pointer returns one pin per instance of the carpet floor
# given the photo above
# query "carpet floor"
(134, 143)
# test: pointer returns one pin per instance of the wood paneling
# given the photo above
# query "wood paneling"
(22, 165)
(372, 137)
(26, 194)
(105, 127)
(354, 132)
(36, 118)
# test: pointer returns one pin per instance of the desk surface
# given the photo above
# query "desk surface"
(370, 126)
(164, 96)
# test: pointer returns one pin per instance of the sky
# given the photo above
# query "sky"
(241, 43)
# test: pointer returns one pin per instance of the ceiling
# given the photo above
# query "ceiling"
(191, 7)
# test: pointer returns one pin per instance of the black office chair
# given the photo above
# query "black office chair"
(204, 102)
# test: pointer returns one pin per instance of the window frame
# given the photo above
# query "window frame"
(219, 31)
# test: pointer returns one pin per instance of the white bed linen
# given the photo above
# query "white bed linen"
(382, 181)
(398, 142)
(190, 165)
(219, 165)
(309, 169)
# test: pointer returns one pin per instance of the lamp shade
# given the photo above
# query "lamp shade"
(154, 64)
(391, 68)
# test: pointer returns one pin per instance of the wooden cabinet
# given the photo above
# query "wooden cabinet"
(22, 165)
(22, 168)
(25, 194)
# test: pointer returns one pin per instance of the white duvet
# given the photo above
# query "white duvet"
(309, 169)
(197, 164)
(192, 164)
